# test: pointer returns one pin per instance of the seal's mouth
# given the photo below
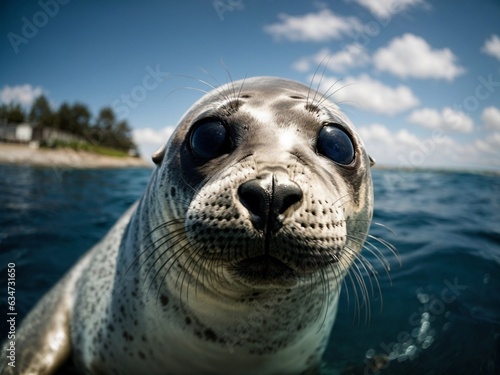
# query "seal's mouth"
(265, 270)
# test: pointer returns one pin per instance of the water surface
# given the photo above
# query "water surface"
(438, 313)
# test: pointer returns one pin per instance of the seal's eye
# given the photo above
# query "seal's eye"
(209, 139)
(335, 144)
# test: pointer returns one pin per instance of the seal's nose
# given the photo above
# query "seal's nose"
(266, 198)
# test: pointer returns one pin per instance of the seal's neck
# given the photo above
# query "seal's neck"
(275, 331)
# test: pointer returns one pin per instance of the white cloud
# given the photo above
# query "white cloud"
(387, 8)
(370, 94)
(351, 56)
(447, 119)
(149, 140)
(490, 145)
(22, 94)
(377, 133)
(321, 26)
(403, 148)
(406, 150)
(492, 46)
(412, 56)
(491, 118)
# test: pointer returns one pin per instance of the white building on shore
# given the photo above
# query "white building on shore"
(26, 132)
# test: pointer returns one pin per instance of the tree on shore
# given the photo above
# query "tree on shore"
(41, 112)
(76, 119)
(73, 119)
(12, 113)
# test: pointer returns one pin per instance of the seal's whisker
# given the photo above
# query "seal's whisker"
(325, 305)
(230, 81)
(241, 87)
(344, 266)
(367, 266)
(365, 271)
(174, 257)
(364, 303)
(311, 283)
(313, 78)
(384, 226)
(216, 88)
(213, 271)
(357, 308)
(138, 257)
(388, 245)
(182, 250)
(205, 271)
(154, 244)
(337, 273)
(222, 93)
(327, 95)
(316, 92)
(214, 265)
(163, 225)
(369, 270)
(385, 243)
(194, 256)
(372, 249)
(180, 237)
(361, 283)
(219, 270)
(216, 270)
(210, 86)
(343, 197)
(160, 226)
(185, 88)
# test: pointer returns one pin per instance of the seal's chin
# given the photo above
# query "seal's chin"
(265, 271)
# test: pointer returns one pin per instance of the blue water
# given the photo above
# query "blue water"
(437, 313)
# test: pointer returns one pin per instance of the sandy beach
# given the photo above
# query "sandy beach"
(63, 158)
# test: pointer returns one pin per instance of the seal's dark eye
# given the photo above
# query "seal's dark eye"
(335, 144)
(209, 139)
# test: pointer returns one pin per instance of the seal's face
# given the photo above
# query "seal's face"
(274, 186)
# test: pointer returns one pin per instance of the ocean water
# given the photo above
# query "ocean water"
(436, 313)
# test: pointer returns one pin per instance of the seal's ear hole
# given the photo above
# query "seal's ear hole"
(372, 161)
(158, 155)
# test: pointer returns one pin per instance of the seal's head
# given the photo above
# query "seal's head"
(271, 184)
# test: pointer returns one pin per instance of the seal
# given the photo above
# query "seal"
(233, 259)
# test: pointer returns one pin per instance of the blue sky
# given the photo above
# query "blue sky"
(420, 79)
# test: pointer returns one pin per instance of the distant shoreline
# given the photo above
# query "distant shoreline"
(18, 154)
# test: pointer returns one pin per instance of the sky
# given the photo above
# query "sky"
(420, 79)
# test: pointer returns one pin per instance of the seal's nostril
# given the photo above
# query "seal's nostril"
(253, 197)
(291, 194)
(266, 199)
(256, 199)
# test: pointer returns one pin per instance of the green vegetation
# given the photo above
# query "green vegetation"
(85, 146)
(103, 134)
(12, 112)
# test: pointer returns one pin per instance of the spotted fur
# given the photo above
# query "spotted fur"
(169, 290)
